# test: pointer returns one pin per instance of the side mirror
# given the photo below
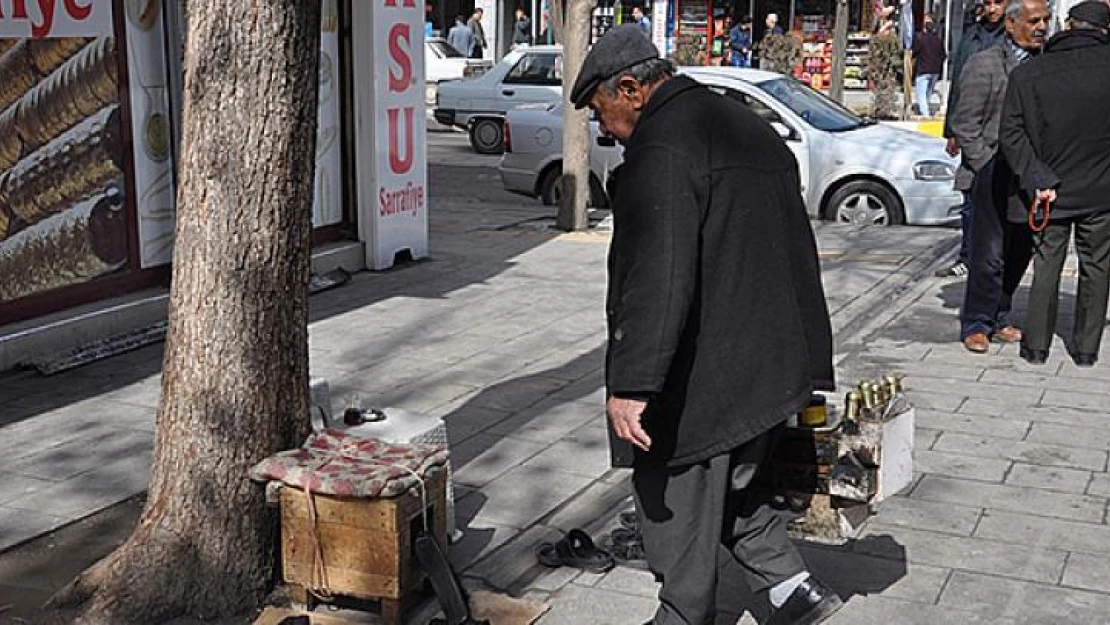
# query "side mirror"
(606, 141)
(783, 130)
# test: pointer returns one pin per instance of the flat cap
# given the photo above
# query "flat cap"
(617, 50)
(1093, 12)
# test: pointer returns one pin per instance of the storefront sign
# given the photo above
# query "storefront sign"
(39, 19)
(327, 208)
(659, 25)
(391, 124)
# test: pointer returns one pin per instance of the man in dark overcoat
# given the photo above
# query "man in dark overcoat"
(1057, 140)
(718, 327)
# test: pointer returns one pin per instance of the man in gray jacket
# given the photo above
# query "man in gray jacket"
(475, 24)
(1000, 250)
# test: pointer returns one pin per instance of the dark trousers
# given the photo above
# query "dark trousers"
(965, 229)
(694, 517)
(1000, 252)
(1050, 250)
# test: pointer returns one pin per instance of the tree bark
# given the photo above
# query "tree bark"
(235, 375)
(576, 124)
(840, 47)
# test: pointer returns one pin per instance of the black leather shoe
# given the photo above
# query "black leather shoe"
(811, 603)
(1033, 356)
(1085, 360)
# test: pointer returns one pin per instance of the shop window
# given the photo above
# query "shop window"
(536, 69)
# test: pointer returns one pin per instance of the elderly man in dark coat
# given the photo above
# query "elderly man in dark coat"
(1000, 249)
(718, 328)
(1056, 136)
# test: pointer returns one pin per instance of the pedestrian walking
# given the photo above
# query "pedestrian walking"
(718, 327)
(460, 36)
(772, 24)
(641, 20)
(984, 34)
(928, 62)
(1000, 249)
(740, 43)
(1059, 147)
(478, 51)
(522, 29)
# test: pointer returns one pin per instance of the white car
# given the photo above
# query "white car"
(443, 62)
(525, 76)
(852, 169)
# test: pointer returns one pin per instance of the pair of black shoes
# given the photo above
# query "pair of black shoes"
(1040, 356)
(811, 603)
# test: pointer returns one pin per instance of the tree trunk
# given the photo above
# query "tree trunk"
(576, 124)
(235, 376)
(840, 47)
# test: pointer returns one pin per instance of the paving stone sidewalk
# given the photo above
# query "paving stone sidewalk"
(501, 333)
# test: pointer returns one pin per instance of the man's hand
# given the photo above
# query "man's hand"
(625, 415)
(1046, 195)
(953, 147)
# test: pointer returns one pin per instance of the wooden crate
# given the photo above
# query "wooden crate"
(366, 543)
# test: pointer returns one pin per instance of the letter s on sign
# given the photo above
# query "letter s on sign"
(400, 55)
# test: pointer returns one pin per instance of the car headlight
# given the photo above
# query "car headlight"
(934, 170)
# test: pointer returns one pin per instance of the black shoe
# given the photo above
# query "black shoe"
(811, 603)
(1086, 360)
(1033, 356)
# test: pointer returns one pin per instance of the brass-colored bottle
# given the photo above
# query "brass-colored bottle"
(853, 405)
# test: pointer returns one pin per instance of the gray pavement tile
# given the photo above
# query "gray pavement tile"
(483, 458)
(1030, 453)
(976, 389)
(465, 421)
(914, 370)
(15, 486)
(881, 610)
(1033, 501)
(925, 515)
(1064, 416)
(924, 438)
(1072, 399)
(1025, 602)
(18, 525)
(944, 402)
(147, 392)
(94, 490)
(968, 554)
(955, 465)
(1088, 572)
(1100, 485)
(578, 605)
(629, 581)
(549, 421)
(971, 424)
(83, 454)
(595, 509)
(514, 559)
(1050, 478)
(480, 538)
(524, 495)
(554, 579)
(589, 458)
(518, 393)
(1036, 531)
(1042, 379)
(1098, 373)
(859, 572)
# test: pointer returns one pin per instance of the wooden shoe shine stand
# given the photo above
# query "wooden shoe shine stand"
(365, 545)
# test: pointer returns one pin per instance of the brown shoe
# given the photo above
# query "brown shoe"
(977, 343)
(1009, 334)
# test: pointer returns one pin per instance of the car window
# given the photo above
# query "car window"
(815, 108)
(444, 50)
(765, 112)
(537, 69)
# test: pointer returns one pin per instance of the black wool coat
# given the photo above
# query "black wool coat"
(715, 305)
(1055, 130)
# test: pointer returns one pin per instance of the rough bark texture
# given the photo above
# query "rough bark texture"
(235, 378)
(840, 46)
(576, 128)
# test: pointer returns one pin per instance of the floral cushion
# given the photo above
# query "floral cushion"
(332, 462)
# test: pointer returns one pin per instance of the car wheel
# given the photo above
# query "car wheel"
(865, 202)
(551, 189)
(487, 136)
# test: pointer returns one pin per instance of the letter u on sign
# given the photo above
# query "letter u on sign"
(397, 163)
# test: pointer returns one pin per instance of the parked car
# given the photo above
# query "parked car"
(443, 62)
(853, 170)
(524, 76)
(533, 160)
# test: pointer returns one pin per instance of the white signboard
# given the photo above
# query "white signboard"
(659, 25)
(39, 19)
(391, 152)
(326, 207)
